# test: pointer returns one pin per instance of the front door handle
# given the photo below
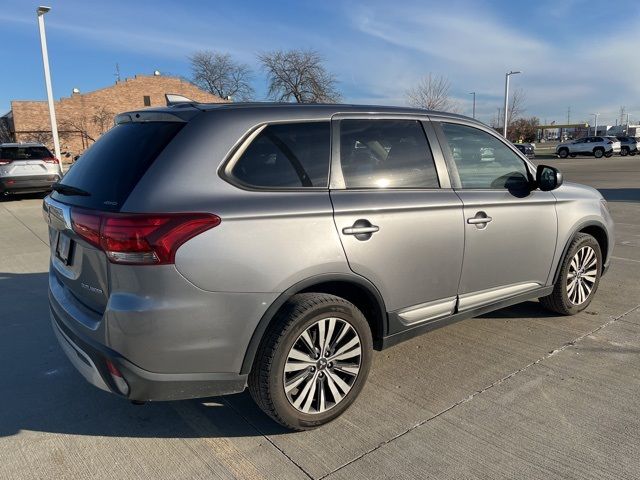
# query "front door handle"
(362, 229)
(480, 220)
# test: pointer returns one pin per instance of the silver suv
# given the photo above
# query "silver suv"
(27, 168)
(596, 146)
(197, 249)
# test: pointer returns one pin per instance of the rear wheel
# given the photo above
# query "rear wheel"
(598, 152)
(624, 151)
(573, 155)
(313, 361)
(563, 153)
(578, 278)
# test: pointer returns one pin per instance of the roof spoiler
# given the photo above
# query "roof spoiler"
(175, 99)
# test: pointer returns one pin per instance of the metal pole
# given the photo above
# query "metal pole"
(626, 132)
(506, 103)
(47, 79)
(474, 103)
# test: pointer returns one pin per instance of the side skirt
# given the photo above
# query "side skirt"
(408, 333)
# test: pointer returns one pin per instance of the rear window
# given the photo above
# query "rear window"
(112, 167)
(292, 155)
(24, 153)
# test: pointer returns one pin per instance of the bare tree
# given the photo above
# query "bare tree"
(516, 105)
(45, 137)
(5, 131)
(218, 74)
(77, 125)
(432, 93)
(300, 76)
(102, 119)
(623, 113)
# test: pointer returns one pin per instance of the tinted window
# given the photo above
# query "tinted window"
(111, 167)
(482, 160)
(386, 154)
(290, 155)
(24, 153)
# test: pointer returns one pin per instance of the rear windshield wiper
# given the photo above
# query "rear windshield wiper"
(69, 190)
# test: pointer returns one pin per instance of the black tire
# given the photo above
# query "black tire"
(558, 301)
(563, 152)
(624, 151)
(267, 377)
(573, 155)
(598, 152)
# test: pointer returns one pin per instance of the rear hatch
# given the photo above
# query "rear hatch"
(96, 186)
(20, 161)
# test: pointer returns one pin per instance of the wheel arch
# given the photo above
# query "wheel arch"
(594, 228)
(354, 288)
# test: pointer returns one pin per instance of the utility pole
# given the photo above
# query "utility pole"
(626, 130)
(595, 127)
(117, 74)
(568, 115)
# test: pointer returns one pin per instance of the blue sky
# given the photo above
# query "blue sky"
(571, 52)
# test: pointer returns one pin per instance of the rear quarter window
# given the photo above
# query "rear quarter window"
(110, 169)
(286, 155)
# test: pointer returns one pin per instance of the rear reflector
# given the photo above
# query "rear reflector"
(51, 160)
(118, 378)
(140, 239)
(5, 162)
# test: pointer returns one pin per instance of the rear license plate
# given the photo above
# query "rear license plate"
(63, 248)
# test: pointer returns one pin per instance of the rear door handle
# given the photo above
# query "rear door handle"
(362, 229)
(481, 219)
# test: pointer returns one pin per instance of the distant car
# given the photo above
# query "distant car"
(596, 146)
(526, 148)
(27, 168)
(628, 145)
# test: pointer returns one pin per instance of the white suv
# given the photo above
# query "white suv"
(27, 168)
(596, 146)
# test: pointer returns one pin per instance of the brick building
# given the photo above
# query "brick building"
(83, 117)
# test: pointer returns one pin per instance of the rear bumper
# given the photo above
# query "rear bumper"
(28, 183)
(90, 359)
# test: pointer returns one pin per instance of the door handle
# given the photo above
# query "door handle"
(481, 219)
(359, 230)
(362, 229)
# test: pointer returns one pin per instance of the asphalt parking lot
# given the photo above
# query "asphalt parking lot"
(518, 393)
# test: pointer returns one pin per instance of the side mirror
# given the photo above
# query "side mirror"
(548, 178)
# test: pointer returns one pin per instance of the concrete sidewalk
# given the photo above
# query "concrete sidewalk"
(518, 393)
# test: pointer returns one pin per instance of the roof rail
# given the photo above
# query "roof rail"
(175, 99)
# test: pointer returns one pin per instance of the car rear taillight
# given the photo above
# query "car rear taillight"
(51, 160)
(5, 162)
(140, 239)
(117, 378)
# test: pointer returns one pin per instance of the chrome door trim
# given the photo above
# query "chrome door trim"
(485, 297)
(425, 312)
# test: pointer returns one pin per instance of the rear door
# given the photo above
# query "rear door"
(27, 161)
(399, 221)
(510, 230)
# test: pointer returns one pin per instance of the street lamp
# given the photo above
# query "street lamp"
(474, 103)
(47, 80)
(506, 100)
(595, 126)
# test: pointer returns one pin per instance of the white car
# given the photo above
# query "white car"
(27, 168)
(596, 146)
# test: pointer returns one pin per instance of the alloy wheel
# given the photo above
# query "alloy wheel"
(582, 275)
(322, 365)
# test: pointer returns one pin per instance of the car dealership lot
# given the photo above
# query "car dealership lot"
(515, 393)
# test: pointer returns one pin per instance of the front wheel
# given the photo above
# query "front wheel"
(313, 361)
(624, 152)
(578, 279)
(598, 152)
(563, 153)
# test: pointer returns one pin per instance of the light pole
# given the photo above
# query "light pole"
(595, 127)
(47, 80)
(474, 103)
(626, 132)
(506, 100)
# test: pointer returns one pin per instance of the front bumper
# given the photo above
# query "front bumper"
(90, 359)
(28, 183)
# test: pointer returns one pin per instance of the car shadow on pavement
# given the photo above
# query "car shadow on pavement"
(620, 194)
(42, 392)
(20, 197)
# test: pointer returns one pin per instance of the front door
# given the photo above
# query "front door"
(510, 231)
(399, 227)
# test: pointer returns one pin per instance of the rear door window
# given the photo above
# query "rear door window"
(24, 153)
(386, 154)
(110, 169)
(286, 155)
